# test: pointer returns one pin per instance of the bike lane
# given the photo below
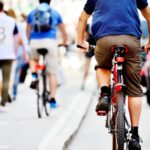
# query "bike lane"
(20, 128)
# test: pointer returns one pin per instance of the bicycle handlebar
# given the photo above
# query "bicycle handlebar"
(91, 49)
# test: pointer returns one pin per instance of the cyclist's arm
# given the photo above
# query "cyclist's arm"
(81, 28)
(28, 29)
(82, 23)
(146, 13)
(63, 33)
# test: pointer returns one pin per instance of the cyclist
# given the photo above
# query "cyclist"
(117, 23)
(45, 39)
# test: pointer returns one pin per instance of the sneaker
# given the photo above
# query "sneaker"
(33, 84)
(103, 103)
(134, 143)
(53, 103)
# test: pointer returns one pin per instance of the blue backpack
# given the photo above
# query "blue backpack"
(42, 21)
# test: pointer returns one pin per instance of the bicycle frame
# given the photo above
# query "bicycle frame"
(118, 83)
(41, 69)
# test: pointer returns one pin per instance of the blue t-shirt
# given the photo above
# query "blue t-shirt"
(56, 20)
(115, 17)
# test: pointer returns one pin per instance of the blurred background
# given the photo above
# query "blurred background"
(22, 115)
(69, 9)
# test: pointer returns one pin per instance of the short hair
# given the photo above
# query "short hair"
(45, 1)
(11, 13)
(1, 5)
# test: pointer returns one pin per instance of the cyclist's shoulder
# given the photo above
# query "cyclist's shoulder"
(31, 12)
(55, 11)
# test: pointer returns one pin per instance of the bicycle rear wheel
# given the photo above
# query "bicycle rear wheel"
(114, 131)
(120, 120)
(40, 98)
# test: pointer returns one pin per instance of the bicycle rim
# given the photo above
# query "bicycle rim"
(40, 100)
(120, 121)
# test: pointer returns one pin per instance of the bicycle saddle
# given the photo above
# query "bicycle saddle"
(119, 49)
(42, 51)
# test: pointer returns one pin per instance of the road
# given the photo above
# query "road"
(92, 135)
(21, 129)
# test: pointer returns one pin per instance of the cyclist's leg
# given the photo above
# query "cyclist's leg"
(104, 74)
(53, 84)
(34, 45)
(132, 80)
(104, 59)
(52, 63)
(135, 106)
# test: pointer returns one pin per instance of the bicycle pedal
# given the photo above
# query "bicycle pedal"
(101, 113)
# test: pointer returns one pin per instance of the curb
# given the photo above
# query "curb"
(60, 136)
(81, 115)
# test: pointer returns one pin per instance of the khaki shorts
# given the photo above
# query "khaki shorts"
(51, 57)
(132, 64)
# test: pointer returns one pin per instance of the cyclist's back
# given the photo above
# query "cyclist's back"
(45, 38)
(115, 18)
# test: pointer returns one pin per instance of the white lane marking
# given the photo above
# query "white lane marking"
(59, 125)
(5, 147)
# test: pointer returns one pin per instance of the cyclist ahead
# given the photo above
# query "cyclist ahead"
(117, 23)
(42, 23)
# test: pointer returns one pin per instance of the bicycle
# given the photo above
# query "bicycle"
(116, 120)
(43, 95)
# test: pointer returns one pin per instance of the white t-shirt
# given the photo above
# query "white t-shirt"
(7, 27)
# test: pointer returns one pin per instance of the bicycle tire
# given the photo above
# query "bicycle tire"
(40, 100)
(120, 120)
(46, 104)
(114, 132)
(114, 141)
